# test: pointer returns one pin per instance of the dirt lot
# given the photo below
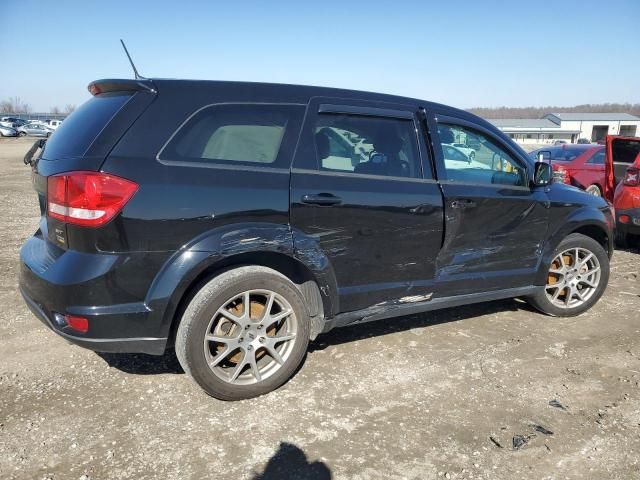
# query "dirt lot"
(441, 395)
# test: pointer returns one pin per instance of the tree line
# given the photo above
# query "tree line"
(539, 112)
(16, 105)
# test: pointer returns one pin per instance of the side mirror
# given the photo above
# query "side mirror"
(542, 174)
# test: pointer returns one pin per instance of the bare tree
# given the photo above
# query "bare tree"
(69, 108)
(14, 105)
(539, 112)
(55, 110)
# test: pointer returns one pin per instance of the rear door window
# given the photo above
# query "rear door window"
(236, 134)
(367, 145)
(75, 135)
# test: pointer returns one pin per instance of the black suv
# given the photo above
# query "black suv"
(237, 221)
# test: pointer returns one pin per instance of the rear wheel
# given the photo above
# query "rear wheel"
(244, 333)
(576, 279)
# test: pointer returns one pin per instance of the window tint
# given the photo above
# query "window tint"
(475, 158)
(597, 158)
(76, 134)
(249, 134)
(367, 145)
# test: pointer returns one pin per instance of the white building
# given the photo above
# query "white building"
(535, 130)
(569, 127)
(596, 126)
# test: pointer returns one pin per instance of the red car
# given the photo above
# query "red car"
(579, 165)
(623, 170)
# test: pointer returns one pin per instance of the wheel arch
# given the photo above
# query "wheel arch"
(316, 303)
(589, 225)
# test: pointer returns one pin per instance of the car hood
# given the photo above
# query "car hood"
(563, 193)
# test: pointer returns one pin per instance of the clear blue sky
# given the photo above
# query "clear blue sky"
(475, 53)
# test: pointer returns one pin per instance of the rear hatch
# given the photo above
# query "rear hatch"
(621, 153)
(85, 138)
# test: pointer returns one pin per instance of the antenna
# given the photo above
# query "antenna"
(135, 71)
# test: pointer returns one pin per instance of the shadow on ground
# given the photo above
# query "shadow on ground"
(289, 463)
(400, 324)
(142, 364)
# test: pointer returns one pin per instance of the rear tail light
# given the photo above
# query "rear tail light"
(560, 175)
(632, 177)
(88, 199)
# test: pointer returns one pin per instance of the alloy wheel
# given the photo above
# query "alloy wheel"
(250, 337)
(573, 278)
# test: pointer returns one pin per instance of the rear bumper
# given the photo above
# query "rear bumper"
(633, 224)
(107, 289)
(153, 346)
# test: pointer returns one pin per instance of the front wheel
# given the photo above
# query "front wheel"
(576, 279)
(22, 134)
(244, 333)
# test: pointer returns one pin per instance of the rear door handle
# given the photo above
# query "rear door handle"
(463, 203)
(326, 199)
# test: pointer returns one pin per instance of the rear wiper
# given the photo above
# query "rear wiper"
(28, 158)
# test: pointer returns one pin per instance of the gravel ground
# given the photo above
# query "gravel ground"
(488, 391)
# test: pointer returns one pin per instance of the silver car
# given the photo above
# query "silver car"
(35, 130)
(8, 131)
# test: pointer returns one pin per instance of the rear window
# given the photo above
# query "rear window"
(250, 134)
(624, 150)
(75, 135)
(563, 154)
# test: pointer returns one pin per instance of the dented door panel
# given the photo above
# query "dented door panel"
(493, 237)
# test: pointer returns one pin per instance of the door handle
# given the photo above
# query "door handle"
(326, 199)
(463, 203)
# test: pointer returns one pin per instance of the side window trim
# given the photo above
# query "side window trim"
(305, 155)
(213, 164)
(366, 111)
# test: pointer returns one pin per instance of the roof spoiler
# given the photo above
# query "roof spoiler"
(120, 85)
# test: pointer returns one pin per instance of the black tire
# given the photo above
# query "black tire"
(22, 134)
(202, 308)
(622, 239)
(540, 300)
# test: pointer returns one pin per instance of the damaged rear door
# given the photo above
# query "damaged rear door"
(496, 223)
(361, 203)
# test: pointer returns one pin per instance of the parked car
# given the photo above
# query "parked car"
(582, 166)
(8, 131)
(35, 130)
(468, 151)
(583, 141)
(560, 142)
(205, 216)
(624, 156)
(12, 122)
(54, 124)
